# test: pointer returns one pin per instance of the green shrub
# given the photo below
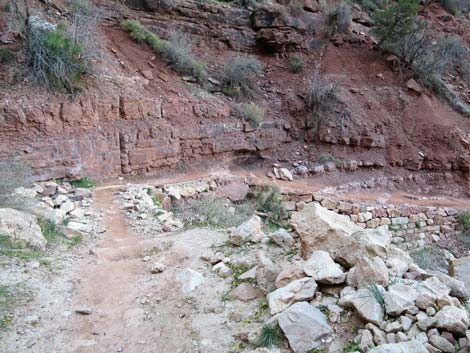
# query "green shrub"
(56, 58)
(270, 336)
(395, 20)
(239, 76)
(84, 182)
(50, 230)
(464, 221)
(176, 52)
(268, 199)
(351, 347)
(6, 55)
(249, 112)
(378, 295)
(17, 249)
(296, 65)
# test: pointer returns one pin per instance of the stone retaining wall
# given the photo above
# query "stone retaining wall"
(408, 223)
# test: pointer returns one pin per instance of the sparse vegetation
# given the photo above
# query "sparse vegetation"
(6, 299)
(6, 55)
(340, 19)
(239, 76)
(296, 64)
(464, 224)
(249, 112)
(176, 51)
(14, 173)
(17, 249)
(60, 57)
(350, 347)
(211, 212)
(429, 257)
(320, 95)
(270, 336)
(51, 231)
(84, 182)
(268, 199)
(395, 21)
(398, 30)
(378, 295)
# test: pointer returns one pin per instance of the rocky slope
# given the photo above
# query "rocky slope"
(138, 116)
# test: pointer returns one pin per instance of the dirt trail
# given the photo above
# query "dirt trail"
(108, 283)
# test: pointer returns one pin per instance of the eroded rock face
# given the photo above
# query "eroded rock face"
(21, 227)
(304, 325)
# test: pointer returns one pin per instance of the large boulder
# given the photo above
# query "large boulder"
(303, 325)
(296, 291)
(457, 287)
(402, 347)
(368, 270)
(323, 269)
(367, 305)
(452, 319)
(321, 229)
(249, 231)
(19, 226)
(399, 298)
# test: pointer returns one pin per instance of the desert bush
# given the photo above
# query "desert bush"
(61, 55)
(51, 231)
(429, 257)
(464, 221)
(320, 91)
(435, 60)
(13, 174)
(270, 336)
(340, 19)
(56, 58)
(249, 112)
(239, 76)
(268, 199)
(215, 213)
(6, 55)
(296, 65)
(176, 52)
(320, 95)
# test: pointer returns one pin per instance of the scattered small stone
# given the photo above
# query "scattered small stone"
(84, 310)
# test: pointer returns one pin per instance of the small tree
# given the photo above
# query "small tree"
(396, 20)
